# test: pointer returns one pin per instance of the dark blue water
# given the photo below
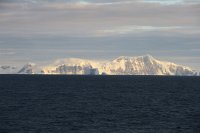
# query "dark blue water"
(99, 104)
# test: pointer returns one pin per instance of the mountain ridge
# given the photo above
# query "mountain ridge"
(123, 65)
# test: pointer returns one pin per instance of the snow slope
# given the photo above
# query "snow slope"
(29, 68)
(123, 65)
(141, 65)
(144, 65)
(73, 66)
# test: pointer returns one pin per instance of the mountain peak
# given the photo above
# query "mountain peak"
(148, 56)
(30, 64)
(144, 57)
(28, 68)
(123, 65)
(121, 58)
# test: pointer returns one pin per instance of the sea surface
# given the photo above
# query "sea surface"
(99, 104)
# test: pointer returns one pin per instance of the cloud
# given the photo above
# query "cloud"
(6, 52)
(133, 29)
(172, 2)
(165, 2)
(41, 30)
(98, 17)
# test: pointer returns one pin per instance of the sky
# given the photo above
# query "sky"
(42, 31)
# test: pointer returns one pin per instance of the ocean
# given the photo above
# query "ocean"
(99, 104)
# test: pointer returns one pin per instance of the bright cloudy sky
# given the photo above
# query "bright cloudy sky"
(40, 31)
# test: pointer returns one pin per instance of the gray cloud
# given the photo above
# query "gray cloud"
(79, 17)
(172, 2)
(90, 28)
(7, 53)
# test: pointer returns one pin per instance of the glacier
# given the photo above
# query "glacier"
(123, 65)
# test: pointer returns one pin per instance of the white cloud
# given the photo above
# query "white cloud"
(85, 4)
(7, 53)
(164, 2)
(172, 2)
(133, 29)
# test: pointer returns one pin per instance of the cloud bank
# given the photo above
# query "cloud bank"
(119, 25)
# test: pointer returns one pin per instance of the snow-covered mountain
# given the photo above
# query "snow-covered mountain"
(29, 68)
(140, 65)
(73, 66)
(144, 65)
